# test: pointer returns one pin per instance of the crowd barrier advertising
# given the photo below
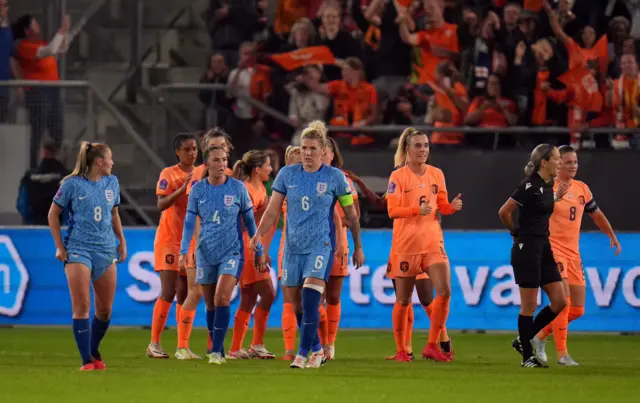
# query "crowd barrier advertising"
(33, 289)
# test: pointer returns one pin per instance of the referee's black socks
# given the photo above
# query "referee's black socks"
(525, 330)
(543, 318)
(528, 328)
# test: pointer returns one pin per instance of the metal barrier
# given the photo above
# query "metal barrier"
(49, 112)
(189, 114)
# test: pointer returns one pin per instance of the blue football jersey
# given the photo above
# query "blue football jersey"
(220, 209)
(89, 205)
(311, 197)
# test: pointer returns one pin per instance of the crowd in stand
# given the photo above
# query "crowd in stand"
(445, 63)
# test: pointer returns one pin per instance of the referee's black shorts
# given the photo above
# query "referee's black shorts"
(533, 262)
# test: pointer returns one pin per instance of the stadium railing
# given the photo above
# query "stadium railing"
(56, 108)
(172, 98)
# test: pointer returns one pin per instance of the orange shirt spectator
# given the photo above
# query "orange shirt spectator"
(624, 97)
(450, 103)
(437, 43)
(492, 110)
(37, 58)
(355, 100)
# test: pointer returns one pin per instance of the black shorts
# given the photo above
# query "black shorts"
(533, 262)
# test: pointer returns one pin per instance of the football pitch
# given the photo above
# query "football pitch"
(41, 365)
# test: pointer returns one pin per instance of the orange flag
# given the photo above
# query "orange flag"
(533, 5)
(584, 87)
(303, 57)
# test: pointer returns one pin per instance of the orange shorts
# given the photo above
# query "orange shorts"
(251, 275)
(416, 265)
(340, 265)
(166, 258)
(571, 270)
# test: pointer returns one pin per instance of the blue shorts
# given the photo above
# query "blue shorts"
(296, 267)
(208, 273)
(97, 262)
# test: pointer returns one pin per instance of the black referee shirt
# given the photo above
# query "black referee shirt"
(535, 201)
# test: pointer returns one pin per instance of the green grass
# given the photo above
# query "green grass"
(41, 365)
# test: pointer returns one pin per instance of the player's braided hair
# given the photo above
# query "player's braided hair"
(541, 153)
(87, 155)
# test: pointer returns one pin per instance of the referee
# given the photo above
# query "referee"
(531, 257)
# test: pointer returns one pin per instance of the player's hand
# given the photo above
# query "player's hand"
(339, 251)
(616, 245)
(520, 49)
(456, 203)
(182, 262)
(563, 188)
(186, 183)
(358, 257)
(253, 243)
(122, 252)
(425, 208)
(61, 254)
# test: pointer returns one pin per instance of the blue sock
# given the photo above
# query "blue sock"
(82, 333)
(98, 330)
(210, 319)
(220, 326)
(315, 346)
(310, 320)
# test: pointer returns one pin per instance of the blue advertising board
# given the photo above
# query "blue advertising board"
(33, 289)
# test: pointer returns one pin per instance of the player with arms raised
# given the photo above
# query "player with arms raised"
(564, 230)
(89, 251)
(312, 189)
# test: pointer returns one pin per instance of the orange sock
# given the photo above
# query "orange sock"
(240, 325)
(544, 333)
(429, 309)
(333, 314)
(560, 327)
(438, 318)
(185, 324)
(260, 318)
(323, 327)
(178, 309)
(399, 320)
(575, 312)
(409, 330)
(160, 313)
(289, 327)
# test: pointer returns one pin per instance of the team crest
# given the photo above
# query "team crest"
(228, 200)
(109, 195)
(434, 189)
(560, 267)
(169, 259)
(388, 267)
(404, 267)
(321, 187)
(581, 199)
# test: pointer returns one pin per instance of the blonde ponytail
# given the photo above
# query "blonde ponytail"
(400, 158)
(315, 130)
(86, 156)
